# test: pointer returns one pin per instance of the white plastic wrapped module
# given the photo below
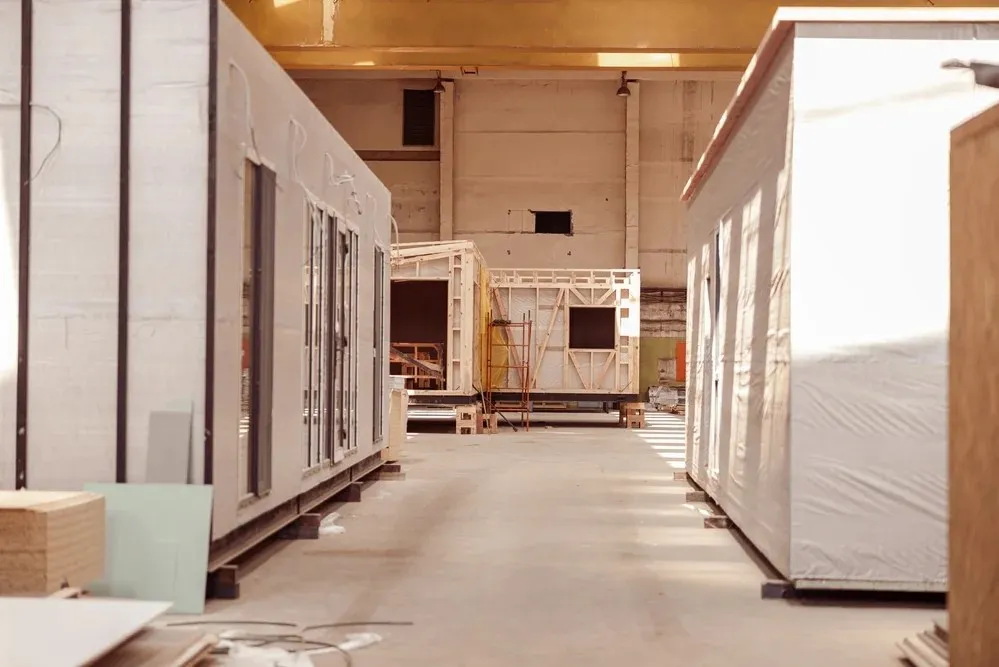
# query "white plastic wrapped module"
(818, 293)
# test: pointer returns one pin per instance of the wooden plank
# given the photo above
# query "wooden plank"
(161, 647)
(974, 392)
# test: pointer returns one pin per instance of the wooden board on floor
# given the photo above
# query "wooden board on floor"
(161, 647)
(55, 631)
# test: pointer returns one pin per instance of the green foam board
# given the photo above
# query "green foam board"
(157, 543)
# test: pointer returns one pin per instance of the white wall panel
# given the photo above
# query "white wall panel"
(869, 373)
(10, 145)
(738, 355)
(169, 182)
(74, 243)
(300, 162)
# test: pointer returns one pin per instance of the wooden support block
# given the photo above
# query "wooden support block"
(223, 583)
(679, 476)
(634, 422)
(717, 521)
(305, 527)
(386, 476)
(489, 423)
(777, 589)
(467, 413)
(467, 428)
(350, 494)
(697, 497)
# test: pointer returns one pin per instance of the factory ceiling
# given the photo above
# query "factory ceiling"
(522, 34)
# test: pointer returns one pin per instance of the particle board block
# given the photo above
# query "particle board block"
(157, 543)
(48, 539)
(973, 393)
(85, 629)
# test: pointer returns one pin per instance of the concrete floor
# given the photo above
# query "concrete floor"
(563, 546)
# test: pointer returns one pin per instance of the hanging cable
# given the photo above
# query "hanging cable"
(249, 109)
(58, 140)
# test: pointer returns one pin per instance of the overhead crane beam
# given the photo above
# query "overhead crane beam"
(522, 34)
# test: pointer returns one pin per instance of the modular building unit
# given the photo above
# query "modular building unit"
(200, 265)
(439, 310)
(584, 333)
(974, 421)
(818, 293)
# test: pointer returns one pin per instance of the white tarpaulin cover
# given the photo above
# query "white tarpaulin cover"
(819, 270)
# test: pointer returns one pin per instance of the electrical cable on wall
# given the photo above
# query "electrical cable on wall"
(58, 140)
(249, 112)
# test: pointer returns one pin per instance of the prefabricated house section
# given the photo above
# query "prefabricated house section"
(818, 293)
(584, 333)
(244, 264)
(440, 305)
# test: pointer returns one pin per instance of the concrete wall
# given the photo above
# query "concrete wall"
(369, 116)
(543, 141)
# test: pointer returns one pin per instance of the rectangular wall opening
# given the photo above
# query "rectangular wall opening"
(419, 117)
(419, 330)
(592, 327)
(553, 222)
(256, 395)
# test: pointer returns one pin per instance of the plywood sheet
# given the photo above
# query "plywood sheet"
(85, 629)
(974, 392)
(157, 543)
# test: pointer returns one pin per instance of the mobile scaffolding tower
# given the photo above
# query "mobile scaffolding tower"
(508, 368)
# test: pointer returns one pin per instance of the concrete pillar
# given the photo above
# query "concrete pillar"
(631, 177)
(447, 161)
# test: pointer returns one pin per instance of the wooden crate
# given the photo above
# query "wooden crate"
(49, 539)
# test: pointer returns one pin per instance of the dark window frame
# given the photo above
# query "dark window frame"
(261, 198)
(378, 383)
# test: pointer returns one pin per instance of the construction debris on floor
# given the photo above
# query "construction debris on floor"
(930, 648)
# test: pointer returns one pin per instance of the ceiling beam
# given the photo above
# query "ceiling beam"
(522, 34)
